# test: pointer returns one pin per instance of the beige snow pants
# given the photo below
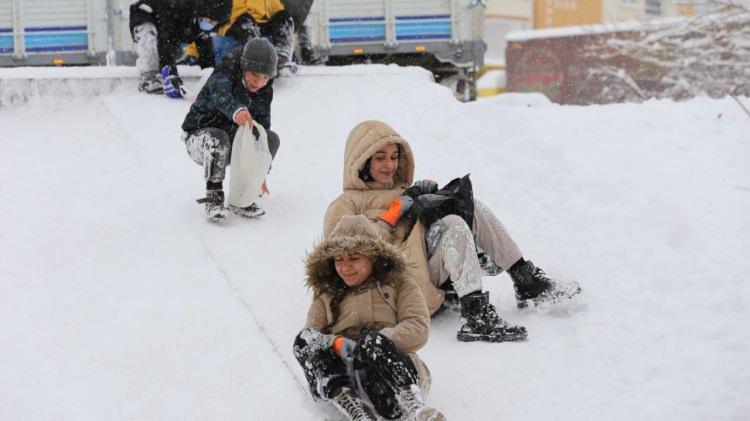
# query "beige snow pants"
(455, 254)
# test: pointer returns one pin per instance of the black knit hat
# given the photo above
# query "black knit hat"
(218, 10)
(259, 56)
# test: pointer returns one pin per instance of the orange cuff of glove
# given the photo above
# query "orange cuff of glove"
(392, 214)
(338, 343)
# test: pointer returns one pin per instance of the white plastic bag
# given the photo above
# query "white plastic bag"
(251, 161)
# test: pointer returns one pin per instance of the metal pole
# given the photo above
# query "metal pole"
(109, 13)
(19, 46)
(454, 22)
(390, 24)
(91, 28)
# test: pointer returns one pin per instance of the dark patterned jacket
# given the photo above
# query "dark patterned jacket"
(175, 22)
(223, 95)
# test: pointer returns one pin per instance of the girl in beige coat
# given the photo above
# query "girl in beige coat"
(364, 326)
(378, 176)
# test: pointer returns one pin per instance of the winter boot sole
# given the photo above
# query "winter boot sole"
(563, 300)
(245, 214)
(506, 337)
(153, 92)
(218, 216)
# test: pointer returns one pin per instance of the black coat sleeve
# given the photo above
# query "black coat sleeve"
(220, 86)
(260, 107)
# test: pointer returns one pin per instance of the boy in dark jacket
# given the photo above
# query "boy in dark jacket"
(239, 91)
(158, 27)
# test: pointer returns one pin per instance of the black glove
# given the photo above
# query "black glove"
(421, 187)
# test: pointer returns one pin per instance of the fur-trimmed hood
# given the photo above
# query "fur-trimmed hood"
(364, 140)
(353, 234)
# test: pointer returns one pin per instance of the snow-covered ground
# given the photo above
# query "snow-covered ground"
(118, 301)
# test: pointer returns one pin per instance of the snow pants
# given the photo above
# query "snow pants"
(300, 9)
(211, 147)
(145, 38)
(304, 37)
(279, 29)
(452, 247)
(377, 372)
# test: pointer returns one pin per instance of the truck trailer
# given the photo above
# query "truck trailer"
(443, 36)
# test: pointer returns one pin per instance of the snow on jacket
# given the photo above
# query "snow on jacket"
(372, 198)
(175, 22)
(223, 95)
(388, 302)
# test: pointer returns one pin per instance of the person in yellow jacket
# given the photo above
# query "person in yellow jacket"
(267, 19)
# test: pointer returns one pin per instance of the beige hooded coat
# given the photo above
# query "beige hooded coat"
(388, 302)
(372, 198)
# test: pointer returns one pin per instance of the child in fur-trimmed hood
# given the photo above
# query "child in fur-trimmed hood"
(365, 312)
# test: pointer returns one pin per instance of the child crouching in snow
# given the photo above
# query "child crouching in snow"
(363, 328)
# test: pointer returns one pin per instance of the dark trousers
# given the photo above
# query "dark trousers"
(379, 369)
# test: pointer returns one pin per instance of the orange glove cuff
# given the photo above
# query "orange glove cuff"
(393, 213)
(338, 343)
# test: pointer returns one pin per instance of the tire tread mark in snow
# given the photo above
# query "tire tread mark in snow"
(257, 323)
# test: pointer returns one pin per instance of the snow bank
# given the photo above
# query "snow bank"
(520, 99)
(120, 302)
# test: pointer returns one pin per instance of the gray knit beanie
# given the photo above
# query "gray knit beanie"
(259, 56)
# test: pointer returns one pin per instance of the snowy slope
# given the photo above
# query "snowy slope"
(118, 301)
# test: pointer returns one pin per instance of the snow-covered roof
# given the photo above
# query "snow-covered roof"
(571, 31)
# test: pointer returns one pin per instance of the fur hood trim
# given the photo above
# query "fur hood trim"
(353, 234)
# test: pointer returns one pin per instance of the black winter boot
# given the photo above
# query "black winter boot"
(534, 288)
(310, 57)
(214, 201)
(480, 322)
(151, 83)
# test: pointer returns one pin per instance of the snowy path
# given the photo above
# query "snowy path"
(119, 302)
(131, 315)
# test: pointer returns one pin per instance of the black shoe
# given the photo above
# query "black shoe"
(310, 57)
(534, 288)
(480, 322)
(214, 202)
(151, 83)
